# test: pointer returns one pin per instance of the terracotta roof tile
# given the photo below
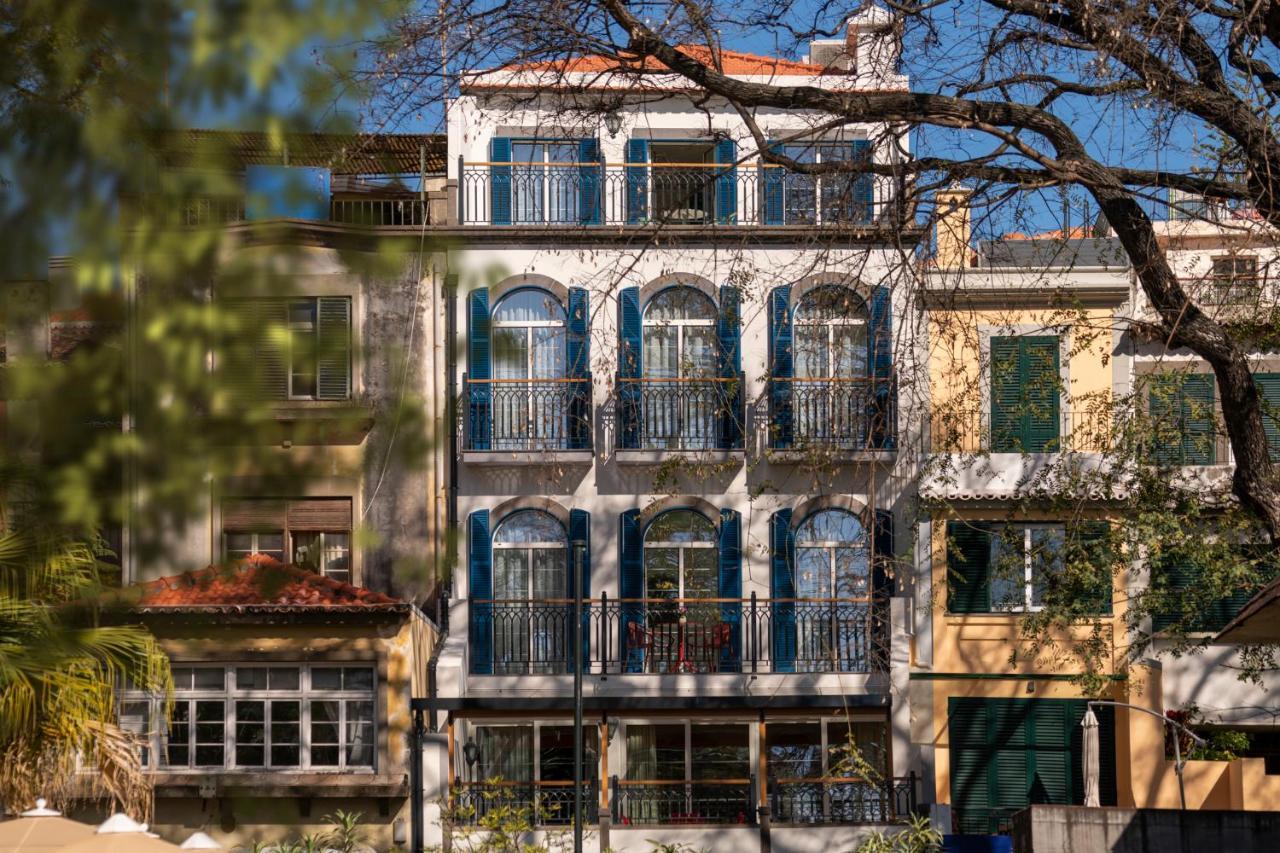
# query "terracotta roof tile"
(732, 61)
(258, 581)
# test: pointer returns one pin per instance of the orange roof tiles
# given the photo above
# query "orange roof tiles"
(731, 61)
(258, 581)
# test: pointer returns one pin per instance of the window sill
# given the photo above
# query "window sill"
(819, 456)
(521, 458)
(279, 783)
(659, 457)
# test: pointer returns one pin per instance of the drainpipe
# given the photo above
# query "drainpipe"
(415, 782)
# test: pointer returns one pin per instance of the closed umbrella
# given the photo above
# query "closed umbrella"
(200, 841)
(1091, 750)
(120, 834)
(39, 830)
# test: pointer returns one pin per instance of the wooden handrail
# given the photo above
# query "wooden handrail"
(674, 782)
(678, 379)
(867, 599)
(646, 165)
(560, 380)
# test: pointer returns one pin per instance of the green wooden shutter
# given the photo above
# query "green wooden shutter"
(1041, 394)
(1093, 539)
(333, 361)
(1198, 438)
(1049, 756)
(1006, 395)
(970, 761)
(1269, 389)
(1175, 574)
(968, 567)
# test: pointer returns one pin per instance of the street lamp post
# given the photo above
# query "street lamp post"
(579, 552)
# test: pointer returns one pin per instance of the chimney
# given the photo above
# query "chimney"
(951, 237)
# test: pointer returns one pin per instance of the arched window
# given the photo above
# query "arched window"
(832, 583)
(679, 404)
(680, 556)
(529, 355)
(830, 335)
(530, 565)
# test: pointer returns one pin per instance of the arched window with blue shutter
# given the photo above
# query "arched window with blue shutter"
(480, 592)
(531, 579)
(833, 576)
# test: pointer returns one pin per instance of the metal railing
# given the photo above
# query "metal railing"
(680, 414)
(374, 211)
(677, 802)
(677, 194)
(659, 636)
(540, 803)
(1089, 431)
(837, 800)
(833, 413)
(527, 414)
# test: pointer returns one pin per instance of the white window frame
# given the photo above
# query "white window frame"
(829, 325)
(157, 734)
(544, 170)
(681, 548)
(1028, 566)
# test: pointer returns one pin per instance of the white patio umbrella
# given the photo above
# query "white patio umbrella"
(200, 841)
(40, 829)
(121, 834)
(1091, 750)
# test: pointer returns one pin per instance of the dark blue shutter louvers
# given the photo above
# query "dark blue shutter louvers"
(631, 589)
(580, 531)
(774, 179)
(863, 185)
(637, 181)
(882, 583)
(782, 589)
(726, 182)
(780, 367)
(731, 588)
(480, 592)
(479, 392)
(629, 368)
(883, 429)
(590, 183)
(578, 359)
(729, 357)
(499, 181)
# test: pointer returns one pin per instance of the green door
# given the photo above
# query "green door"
(1007, 754)
(1025, 394)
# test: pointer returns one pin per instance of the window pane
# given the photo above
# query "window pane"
(662, 572)
(179, 735)
(286, 731)
(183, 676)
(548, 353)
(359, 734)
(795, 750)
(306, 550)
(699, 356)
(655, 752)
(720, 751)
(250, 734)
(135, 719)
(210, 733)
(681, 526)
(271, 545)
(1008, 569)
(239, 545)
(325, 740)
(284, 678)
(555, 753)
(812, 352)
(510, 574)
(813, 573)
(505, 752)
(701, 573)
(251, 678)
(527, 527)
(510, 353)
(853, 573)
(1047, 544)
(528, 305)
(358, 678)
(326, 678)
(209, 678)
(337, 556)
(660, 355)
(302, 325)
(679, 303)
(856, 749)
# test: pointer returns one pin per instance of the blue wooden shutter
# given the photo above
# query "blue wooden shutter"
(578, 362)
(780, 368)
(863, 186)
(1269, 390)
(774, 181)
(590, 183)
(968, 567)
(726, 182)
(580, 531)
(629, 368)
(1041, 393)
(333, 360)
(782, 589)
(729, 357)
(479, 392)
(480, 592)
(499, 181)
(731, 587)
(637, 181)
(631, 587)
(883, 431)
(882, 583)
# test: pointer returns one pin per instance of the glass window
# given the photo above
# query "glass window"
(327, 553)
(544, 181)
(555, 753)
(504, 752)
(719, 751)
(681, 400)
(1023, 560)
(655, 752)
(795, 750)
(680, 556)
(302, 348)
(530, 565)
(813, 199)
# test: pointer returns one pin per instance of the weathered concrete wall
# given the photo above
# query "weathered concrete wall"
(1074, 829)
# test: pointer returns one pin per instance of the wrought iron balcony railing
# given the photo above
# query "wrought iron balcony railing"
(660, 636)
(676, 194)
(680, 414)
(680, 802)
(970, 431)
(831, 413)
(371, 211)
(527, 414)
(540, 803)
(842, 800)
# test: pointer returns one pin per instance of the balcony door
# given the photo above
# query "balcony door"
(833, 588)
(544, 181)
(680, 399)
(530, 409)
(681, 570)
(531, 623)
(831, 387)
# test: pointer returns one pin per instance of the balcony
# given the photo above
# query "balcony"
(666, 194)
(679, 415)
(508, 420)
(842, 800)
(680, 636)
(369, 211)
(544, 803)
(680, 802)
(1089, 431)
(843, 416)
